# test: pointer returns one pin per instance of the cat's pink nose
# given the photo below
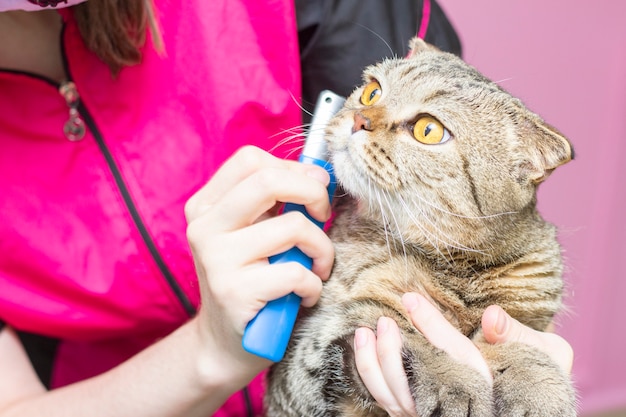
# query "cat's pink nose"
(361, 123)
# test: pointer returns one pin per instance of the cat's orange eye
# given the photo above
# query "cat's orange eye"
(371, 93)
(430, 131)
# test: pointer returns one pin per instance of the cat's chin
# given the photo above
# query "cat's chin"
(349, 175)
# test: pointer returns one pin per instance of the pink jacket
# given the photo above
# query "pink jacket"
(92, 232)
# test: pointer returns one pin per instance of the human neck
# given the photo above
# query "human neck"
(31, 43)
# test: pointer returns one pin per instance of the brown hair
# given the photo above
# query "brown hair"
(115, 30)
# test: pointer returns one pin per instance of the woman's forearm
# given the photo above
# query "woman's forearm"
(171, 378)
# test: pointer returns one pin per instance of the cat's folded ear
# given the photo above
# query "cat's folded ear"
(546, 148)
(417, 45)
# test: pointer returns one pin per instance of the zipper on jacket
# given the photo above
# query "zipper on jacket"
(77, 108)
(134, 213)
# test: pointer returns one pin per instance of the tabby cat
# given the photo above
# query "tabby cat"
(440, 167)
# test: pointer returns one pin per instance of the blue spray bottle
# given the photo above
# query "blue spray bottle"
(267, 335)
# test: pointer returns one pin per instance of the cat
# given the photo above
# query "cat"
(440, 167)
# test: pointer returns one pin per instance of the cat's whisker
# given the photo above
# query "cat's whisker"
(299, 128)
(288, 134)
(295, 146)
(296, 138)
(430, 237)
(416, 222)
(298, 132)
(342, 195)
(385, 219)
(383, 215)
(392, 53)
(399, 232)
(309, 130)
(427, 234)
(295, 131)
(503, 80)
(395, 236)
(444, 238)
(295, 100)
(463, 216)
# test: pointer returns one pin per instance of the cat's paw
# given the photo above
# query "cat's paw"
(443, 387)
(527, 383)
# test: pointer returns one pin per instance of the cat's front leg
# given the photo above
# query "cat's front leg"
(527, 382)
(440, 385)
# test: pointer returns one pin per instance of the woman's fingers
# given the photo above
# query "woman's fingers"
(262, 176)
(366, 358)
(499, 327)
(279, 234)
(389, 344)
(256, 194)
(434, 326)
(238, 271)
(379, 363)
(240, 165)
(257, 285)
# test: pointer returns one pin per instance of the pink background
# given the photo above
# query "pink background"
(566, 59)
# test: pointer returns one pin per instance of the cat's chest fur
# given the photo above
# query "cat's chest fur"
(374, 264)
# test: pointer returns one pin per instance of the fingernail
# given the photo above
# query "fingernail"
(501, 323)
(382, 326)
(410, 301)
(360, 338)
(319, 174)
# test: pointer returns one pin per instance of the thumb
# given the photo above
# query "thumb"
(499, 327)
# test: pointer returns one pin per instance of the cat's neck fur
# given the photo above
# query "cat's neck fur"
(507, 239)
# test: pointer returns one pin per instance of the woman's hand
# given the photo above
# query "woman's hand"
(233, 230)
(380, 365)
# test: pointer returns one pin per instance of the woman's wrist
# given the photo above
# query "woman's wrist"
(219, 369)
